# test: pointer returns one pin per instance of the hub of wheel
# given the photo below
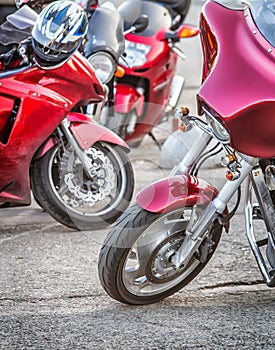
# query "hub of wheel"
(159, 268)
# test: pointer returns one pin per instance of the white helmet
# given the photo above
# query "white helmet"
(58, 33)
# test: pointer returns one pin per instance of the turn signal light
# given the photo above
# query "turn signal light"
(185, 126)
(228, 159)
(185, 111)
(188, 31)
(229, 175)
(232, 175)
(182, 127)
(119, 73)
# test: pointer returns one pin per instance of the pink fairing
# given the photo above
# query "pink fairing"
(239, 73)
(176, 192)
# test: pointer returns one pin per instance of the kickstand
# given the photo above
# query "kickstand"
(155, 140)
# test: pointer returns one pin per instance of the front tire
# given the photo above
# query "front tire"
(135, 259)
(63, 189)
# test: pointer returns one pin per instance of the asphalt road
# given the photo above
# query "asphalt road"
(50, 296)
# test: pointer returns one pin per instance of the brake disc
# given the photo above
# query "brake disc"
(79, 190)
(159, 267)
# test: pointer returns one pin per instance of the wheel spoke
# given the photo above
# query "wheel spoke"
(135, 268)
(152, 255)
(135, 275)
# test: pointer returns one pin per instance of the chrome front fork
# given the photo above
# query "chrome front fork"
(198, 230)
(192, 155)
(267, 213)
(86, 162)
(95, 110)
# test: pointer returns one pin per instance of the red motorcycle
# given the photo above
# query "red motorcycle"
(163, 241)
(79, 171)
(149, 90)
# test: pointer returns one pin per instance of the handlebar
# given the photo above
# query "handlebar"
(17, 57)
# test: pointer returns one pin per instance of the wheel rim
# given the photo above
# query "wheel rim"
(94, 196)
(147, 270)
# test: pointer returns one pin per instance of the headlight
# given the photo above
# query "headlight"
(218, 130)
(135, 54)
(103, 65)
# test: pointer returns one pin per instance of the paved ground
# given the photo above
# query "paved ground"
(50, 296)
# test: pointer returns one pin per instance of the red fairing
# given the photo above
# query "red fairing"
(176, 192)
(127, 98)
(75, 81)
(40, 101)
(240, 87)
(158, 72)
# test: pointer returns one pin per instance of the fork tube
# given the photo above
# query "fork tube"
(250, 233)
(192, 155)
(196, 234)
(64, 125)
(230, 187)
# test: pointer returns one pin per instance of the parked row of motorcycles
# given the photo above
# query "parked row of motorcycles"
(51, 142)
(79, 171)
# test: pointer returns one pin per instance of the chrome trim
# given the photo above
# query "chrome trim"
(192, 155)
(231, 187)
(199, 230)
(264, 199)
(65, 127)
(111, 59)
(206, 128)
(268, 278)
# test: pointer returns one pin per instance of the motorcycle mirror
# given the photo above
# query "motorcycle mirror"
(139, 25)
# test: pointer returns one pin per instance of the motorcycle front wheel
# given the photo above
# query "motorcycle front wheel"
(61, 186)
(135, 265)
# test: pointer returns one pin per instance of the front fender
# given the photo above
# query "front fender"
(87, 132)
(176, 192)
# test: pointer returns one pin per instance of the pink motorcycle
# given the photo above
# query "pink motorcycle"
(163, 241)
